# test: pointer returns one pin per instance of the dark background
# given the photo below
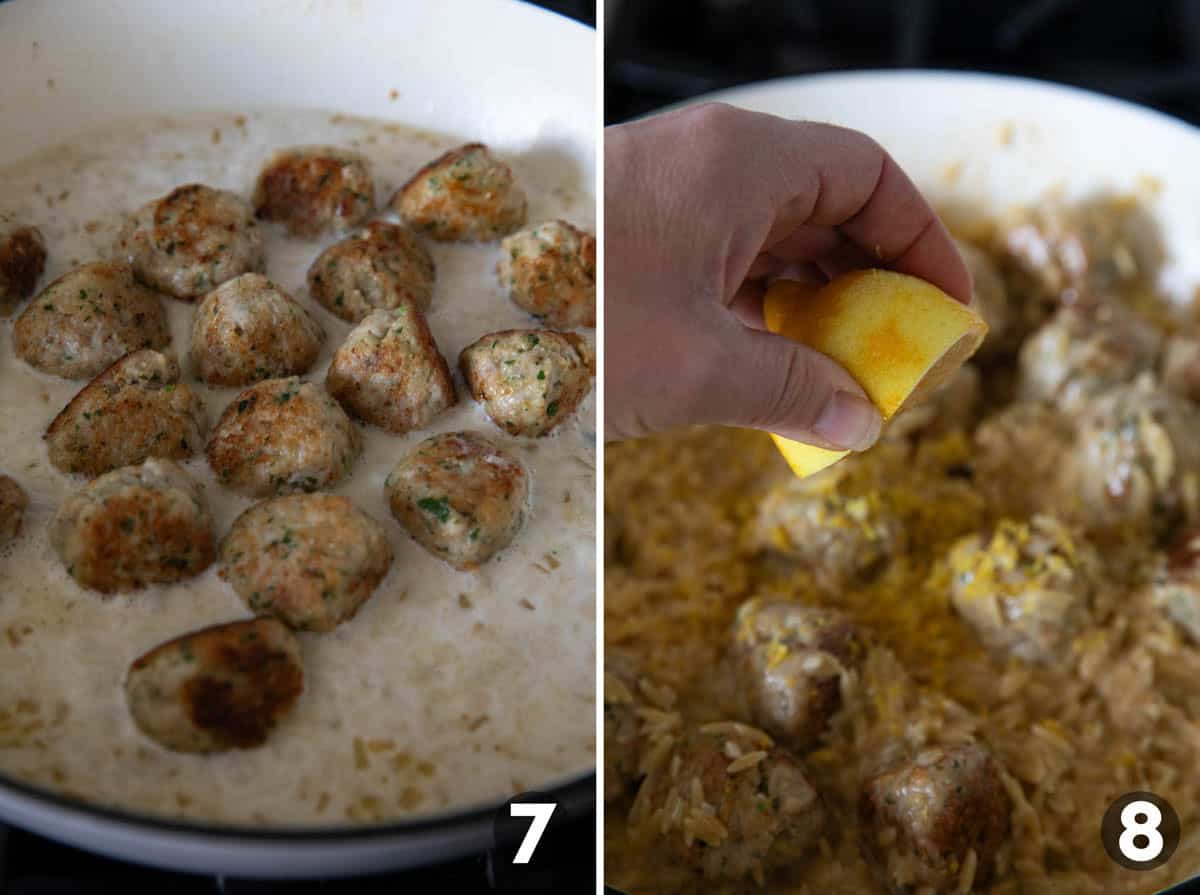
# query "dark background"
(662, 51)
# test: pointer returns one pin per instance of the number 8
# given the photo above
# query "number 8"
(1132, 829)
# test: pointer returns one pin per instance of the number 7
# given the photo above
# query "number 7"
(540, 812)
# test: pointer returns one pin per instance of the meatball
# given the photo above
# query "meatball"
(550, 271)
(380, 266)
(529, 381)
(250, 329)
(22, 261)
(1180, 362)
(389, 371)
(951, 408)
(218, 688)
(460, 497)
(1025, 588)
(731, 804)
(938, 819)
(1136, 460)
(790, 661)
(464, 195)
(1175, 586)
(990, 299)
(282, 436)
(88, 319)
(311, 189)
(838, 538)
(1019, 456)
(13, 503)
(133, 527)
(135, 409)
(192, 240)
(1081, 352)
(1064, 253)
(310, 559)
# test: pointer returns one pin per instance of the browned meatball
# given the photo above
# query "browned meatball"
(380, 266)
(731, 804)
(87, 320)
(218, 688)
(192, 240)
(790, 660)
(22, 261)
(1175, 585)
(310, 559)
(1025, 588)
(460, 497)
(135, 409)
(550, 271)
(389, 371)
(529, 380)
(311, 189)
(937, 818)
(13, 503)
(249, 329)
(465, 195)
(133, 527)
(282, 436)
(1019, 457)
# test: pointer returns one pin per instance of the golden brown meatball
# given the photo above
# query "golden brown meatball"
(1136, 460)
(13, 503)
(311, 189)
(382, 266)
(1081, 352)
(389, 371)
(282, 436)
(1025, 588)
(529, 380)
(192, 240)
(249, 329)
(135, 409)
(730, 803)
(310, 559)
(88, 319)
(22, 261)
(839, 538)
(463, 195)
(460, 497)
(937, 818)
(218, 688)
(550, 271)
(1020, 456)
(133, 527)
(790, 659)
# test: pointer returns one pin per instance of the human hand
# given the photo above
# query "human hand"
(703, 208)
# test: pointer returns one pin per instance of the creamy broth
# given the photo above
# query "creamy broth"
(448, 688)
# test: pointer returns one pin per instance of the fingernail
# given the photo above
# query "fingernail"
(848, 421)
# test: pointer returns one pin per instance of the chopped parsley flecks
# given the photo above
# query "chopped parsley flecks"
(438, 507)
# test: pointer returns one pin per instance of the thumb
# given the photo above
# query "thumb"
(794, 391)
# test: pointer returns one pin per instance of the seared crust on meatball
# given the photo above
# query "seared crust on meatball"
(380, 266)
(282, 436)
(311, 189)
(389, 371)
(1025, 588)
(791, 660)
(730, 803)
(13, 503)
(22, 261)
(218, 688)
(135, 409)
(528, 380)
(192, 240)
(550, 271)
(88, 319)
(465, 195)
(248, 330)
(460, 497)
(133, 527)
(925, 817)
(310, 559)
